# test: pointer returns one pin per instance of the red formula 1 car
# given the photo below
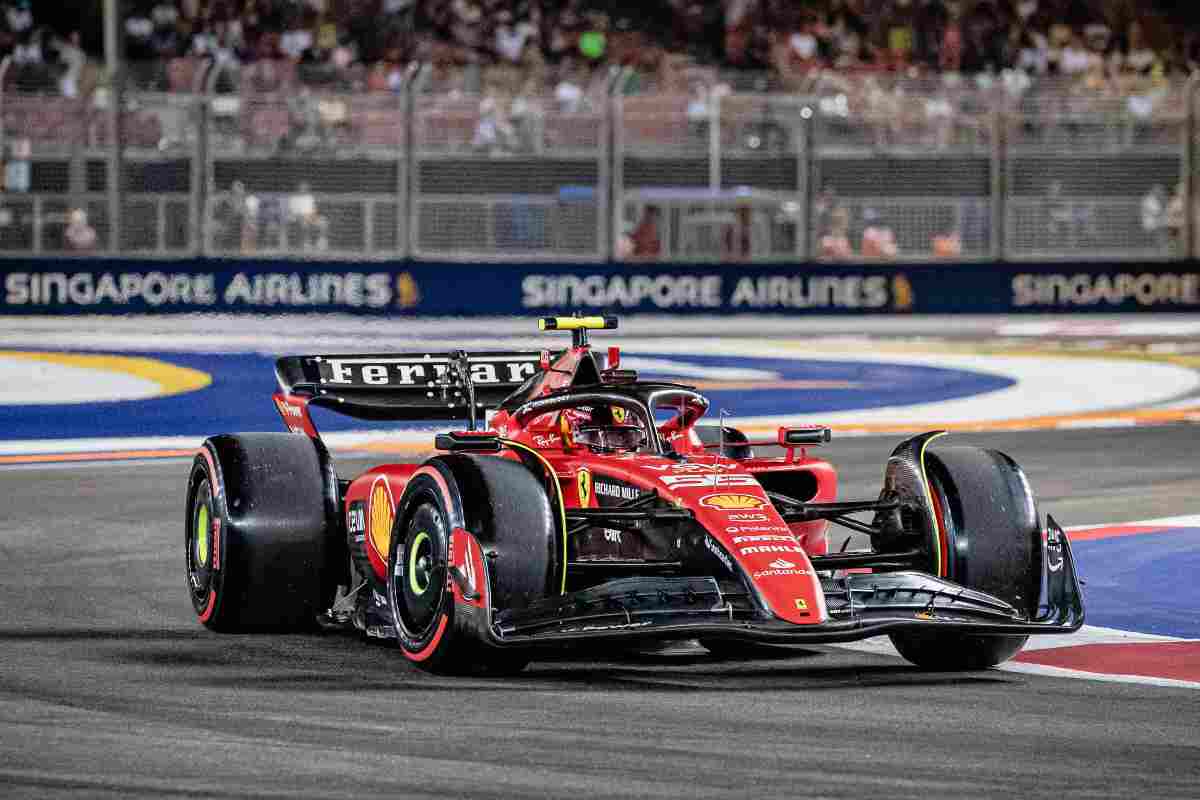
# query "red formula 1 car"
(591, 507)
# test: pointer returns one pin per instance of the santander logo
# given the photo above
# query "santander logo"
(779, 563)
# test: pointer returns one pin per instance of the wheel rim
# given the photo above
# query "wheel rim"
(420, 563)
(200, 545)
(421, 593)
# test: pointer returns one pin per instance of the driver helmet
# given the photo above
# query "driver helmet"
(608, 432)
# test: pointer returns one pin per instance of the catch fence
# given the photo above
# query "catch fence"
(259, 162)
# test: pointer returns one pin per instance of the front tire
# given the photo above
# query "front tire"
(505, 507)
(991, 538)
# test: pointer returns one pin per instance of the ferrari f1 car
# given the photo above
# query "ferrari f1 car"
(581, 505)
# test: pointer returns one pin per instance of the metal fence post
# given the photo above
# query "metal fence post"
(201, 106)
(810, 164)
(116, 98)
(617, 155)
(714, 141)
(1191, 246)
(998, 188)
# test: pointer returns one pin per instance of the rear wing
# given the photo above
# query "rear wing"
(407, 386)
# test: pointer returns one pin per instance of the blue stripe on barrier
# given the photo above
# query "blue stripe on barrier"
(239, 397)
(1143, 583)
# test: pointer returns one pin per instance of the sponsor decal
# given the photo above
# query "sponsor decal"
(289, 410)
(703, 481)
(381, 513)
(781, 566)
(732, 502)
(156, 289)
(611, 535)
(707, 291)
(583, 482)
(719, 552)
(418, 371)
(685, 467)
(1054, 554)
(620, 491)
(741, 517)
(356, 519)
(1113, 289)
(621, 291)
(823, 291)
(617, 627)
(548, 440)
(771, 548)
(762, 537)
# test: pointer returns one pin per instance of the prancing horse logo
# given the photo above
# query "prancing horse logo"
(583, 482)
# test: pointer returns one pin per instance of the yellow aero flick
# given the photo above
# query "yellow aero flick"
(577, 323)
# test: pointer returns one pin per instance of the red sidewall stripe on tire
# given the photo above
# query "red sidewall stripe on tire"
(210, 606)
(426, 651)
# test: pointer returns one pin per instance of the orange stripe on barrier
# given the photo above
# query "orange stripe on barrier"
(111, 455)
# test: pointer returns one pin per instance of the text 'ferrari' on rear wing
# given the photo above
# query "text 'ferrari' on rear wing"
(408, 386)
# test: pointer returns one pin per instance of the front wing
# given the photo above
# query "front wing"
(860, 606)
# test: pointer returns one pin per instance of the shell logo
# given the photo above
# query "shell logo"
(381, 513)
(731, 502)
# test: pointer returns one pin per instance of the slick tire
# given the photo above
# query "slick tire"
(261, 536)
(506, 508)
(736, 442)
(992, 543)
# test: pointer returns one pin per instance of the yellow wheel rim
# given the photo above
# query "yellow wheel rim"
(202, 526)
(414, 581)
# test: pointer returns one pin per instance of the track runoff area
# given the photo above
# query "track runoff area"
(122, 393)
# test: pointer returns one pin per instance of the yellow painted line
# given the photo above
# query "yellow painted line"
(171, 379)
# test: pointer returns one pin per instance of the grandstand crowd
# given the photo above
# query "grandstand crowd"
(363, 44)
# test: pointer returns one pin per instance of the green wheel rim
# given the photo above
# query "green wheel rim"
(418, 565)
(202, 528)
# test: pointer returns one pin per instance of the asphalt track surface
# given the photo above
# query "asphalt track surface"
(109, 687)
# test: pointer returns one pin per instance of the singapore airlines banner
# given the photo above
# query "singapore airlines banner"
(99, 286)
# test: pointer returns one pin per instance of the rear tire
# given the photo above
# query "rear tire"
(260, 536)
(505, 507)
(992, 537)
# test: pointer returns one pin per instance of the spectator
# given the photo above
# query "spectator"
(947, 245)
(302, 212)
(18, 172)
(878, 240)
(1176, 220)
(1154, 214)
(645, 237)
(511, 37)
(79, 235)
(835, 243)
(73, 59)
(19, 18)
(493, 132)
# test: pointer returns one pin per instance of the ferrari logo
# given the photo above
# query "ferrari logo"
(583, 482)
(618, 414)
(801, 604)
